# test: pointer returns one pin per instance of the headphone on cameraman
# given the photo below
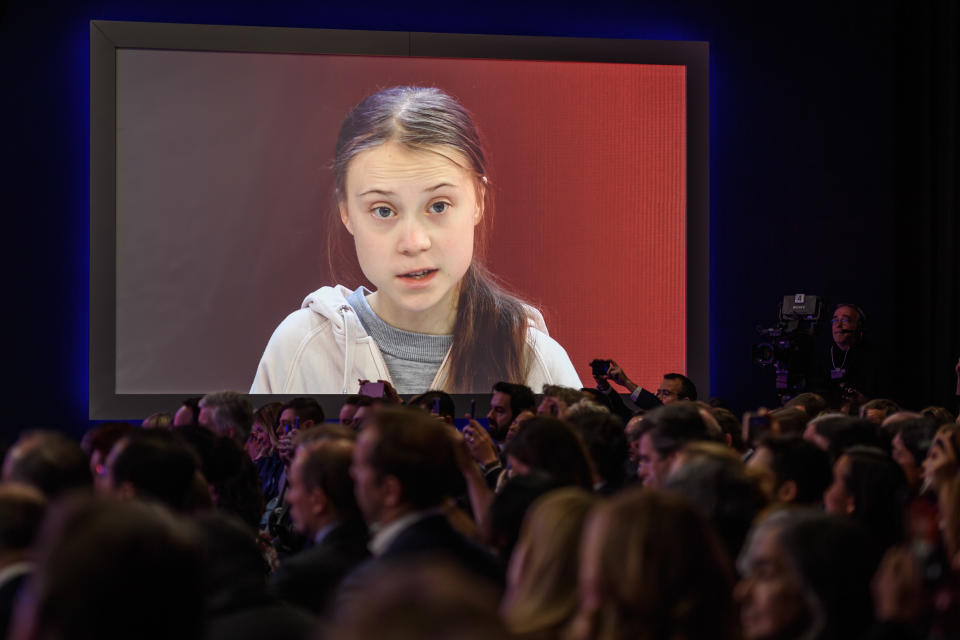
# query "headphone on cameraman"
(861, 316)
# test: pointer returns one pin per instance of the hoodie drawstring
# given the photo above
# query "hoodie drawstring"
(344, 309)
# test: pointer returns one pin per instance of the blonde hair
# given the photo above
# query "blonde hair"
(544, 596)
(657, 570)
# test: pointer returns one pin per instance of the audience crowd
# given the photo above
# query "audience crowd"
(573, 514)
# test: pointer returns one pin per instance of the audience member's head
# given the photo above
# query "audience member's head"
(676, 387)
(320, 489)
(805, 574)
(941, 463)
(420, 600)
(602, 433)
(940, 415)
(731, 428)
(556, 399)
(98, 441)
(788, 421)
(718, 485)
(348, 409)
(541, 595)
(160, 420)
(551, 445)
(114, 570)
(153, 465)
(812, 404)
(300, 414)
(650, 561)
(365, 409)
(263, 434)
(800, 471)
(509, 507)
(878, 410)
(438, 403)
(21, 512)
(188, 413)
(667, 430)
(49, 461)
(869, 486)
(835, 433)
(506, 403)
(227, 413)
(403, 462)
(910, 447)
(234, 485)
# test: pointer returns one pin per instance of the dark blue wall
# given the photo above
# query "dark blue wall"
(801, 160)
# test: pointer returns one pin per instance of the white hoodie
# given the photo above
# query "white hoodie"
(323, 348)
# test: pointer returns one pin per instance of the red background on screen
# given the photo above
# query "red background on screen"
(586, 163)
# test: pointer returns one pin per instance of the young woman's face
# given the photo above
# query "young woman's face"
(412, 215)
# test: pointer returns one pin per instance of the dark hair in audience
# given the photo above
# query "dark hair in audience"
(235, 569)
(159, 465)
(521, 396)
(230, 473)
(103, 436)
(21, 511)
(688, 390)
(193, 404)
(790, 421)
(940, 415)
(888, 407)
(917, 435)
(551, 445)
(602, 433)
(832, 557)
(672, 426)
(49, 461)
(879, 491)
(813, 404)
(730, 426)
(426, 400)
(725, 495)
(510, 505)
(115, 570)
(305, 409)
(326, 466)
(416, 449)
(801, 462)
(845, 432)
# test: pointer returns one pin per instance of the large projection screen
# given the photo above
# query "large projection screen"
(211, 194)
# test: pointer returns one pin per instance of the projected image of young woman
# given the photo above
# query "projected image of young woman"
(412, 188)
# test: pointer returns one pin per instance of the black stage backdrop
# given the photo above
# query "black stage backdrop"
(927, 206)
(833, 168)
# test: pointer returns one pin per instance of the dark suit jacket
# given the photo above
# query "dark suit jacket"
(429, 538)
(310, 578)
(434, 536)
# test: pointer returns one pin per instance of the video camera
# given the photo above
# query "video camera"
(789, 348)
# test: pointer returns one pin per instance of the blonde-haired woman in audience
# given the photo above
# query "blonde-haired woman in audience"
(651, 568)
(541, 595)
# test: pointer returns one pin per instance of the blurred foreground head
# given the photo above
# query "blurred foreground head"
(110, 570)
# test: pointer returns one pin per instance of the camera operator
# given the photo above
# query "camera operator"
(851, 371)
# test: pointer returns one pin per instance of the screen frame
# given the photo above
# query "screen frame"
(106, 37)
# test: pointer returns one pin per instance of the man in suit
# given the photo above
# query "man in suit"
(404, 471)
(323, 508)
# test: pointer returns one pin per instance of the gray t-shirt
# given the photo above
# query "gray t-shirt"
(412, 359)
